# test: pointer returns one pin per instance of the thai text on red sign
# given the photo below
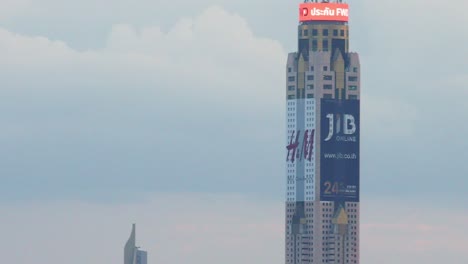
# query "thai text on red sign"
(323, 12)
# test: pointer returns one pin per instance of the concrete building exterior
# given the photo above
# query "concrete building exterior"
(141, 257)
(322, 144)
(132, 254)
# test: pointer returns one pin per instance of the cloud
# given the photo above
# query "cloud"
(201, 50)
(199, 107)
(147, 102)
(25, 51)
(84, 24)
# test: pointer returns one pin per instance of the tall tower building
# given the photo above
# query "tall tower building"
(322, 144)
(132, 254)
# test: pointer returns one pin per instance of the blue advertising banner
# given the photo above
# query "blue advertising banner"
(339, 153)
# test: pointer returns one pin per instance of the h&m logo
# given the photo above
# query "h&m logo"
(306, 149)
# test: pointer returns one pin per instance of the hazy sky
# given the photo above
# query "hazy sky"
(171, 114)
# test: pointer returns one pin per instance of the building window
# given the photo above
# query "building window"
(335, 32)
(327, 96)
(314, 45)
(352, 87)
(352, 97)
(289, 69)
(327, 77)
(291, 88)
(325, 68)
(310, 95)
(310, 87)
(311, 68)
(342, 33)
(354, 69)
(314, 32)
(352, 78)
(291, 97)
(310, 77)
(325, 45)
(325, 32)
(306, 32)
(291, 79)
(327, 86)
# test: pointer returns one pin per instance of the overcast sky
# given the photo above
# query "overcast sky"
(171, 114)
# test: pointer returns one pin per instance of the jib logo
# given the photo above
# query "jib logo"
(347, 122)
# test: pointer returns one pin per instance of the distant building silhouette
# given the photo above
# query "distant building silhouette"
(132, 255)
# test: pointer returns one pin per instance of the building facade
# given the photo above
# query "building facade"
(141, 257)
(322, 144)
(133, 255)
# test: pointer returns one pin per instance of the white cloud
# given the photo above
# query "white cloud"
(218, 60)
(168, 92)
(198, 57)
(24, 51)
(156, 92)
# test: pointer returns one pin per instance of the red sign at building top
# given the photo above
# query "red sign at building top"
(323, 12)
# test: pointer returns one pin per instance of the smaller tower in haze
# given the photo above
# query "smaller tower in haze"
(132, 254)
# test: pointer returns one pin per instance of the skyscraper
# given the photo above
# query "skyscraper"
(132, 255)
(322, 144)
